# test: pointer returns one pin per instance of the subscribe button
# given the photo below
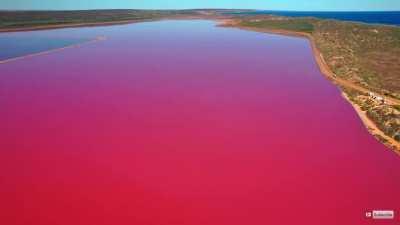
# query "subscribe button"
(381, 214)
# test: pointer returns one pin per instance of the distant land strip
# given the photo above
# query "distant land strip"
(70, 25)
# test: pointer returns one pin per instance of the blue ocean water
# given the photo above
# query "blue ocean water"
(388, 17)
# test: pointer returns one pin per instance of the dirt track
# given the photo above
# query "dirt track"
(324, 68)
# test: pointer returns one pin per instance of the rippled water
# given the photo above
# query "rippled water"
(182, 122)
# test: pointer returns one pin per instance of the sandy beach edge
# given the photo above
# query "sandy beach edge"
(325, 70)
(372, 128)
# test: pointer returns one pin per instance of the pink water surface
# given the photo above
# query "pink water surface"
(184, 123)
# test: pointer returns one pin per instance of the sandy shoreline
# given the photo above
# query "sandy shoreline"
(372, 128)
(325, 70)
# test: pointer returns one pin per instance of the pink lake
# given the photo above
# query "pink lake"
(184, 123)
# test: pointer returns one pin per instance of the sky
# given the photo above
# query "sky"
(298, 5)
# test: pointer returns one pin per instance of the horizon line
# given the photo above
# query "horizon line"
(180, 9)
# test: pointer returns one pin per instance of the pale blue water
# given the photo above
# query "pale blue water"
(12, 46)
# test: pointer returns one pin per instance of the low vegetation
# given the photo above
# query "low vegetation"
(385, 116)
(365, 55)
(297, 25)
